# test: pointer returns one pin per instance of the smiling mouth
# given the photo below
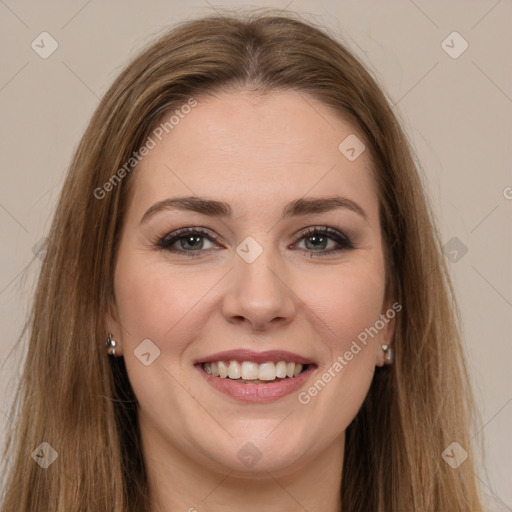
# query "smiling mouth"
(249, 372)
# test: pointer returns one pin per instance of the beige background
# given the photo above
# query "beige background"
(456, 111)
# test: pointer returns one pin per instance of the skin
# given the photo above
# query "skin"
(256, 152)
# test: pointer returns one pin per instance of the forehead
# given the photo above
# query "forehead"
(255, 151)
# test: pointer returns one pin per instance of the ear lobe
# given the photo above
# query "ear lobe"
(113, 326)
(385, 336)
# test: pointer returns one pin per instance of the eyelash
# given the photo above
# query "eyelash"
(343, 240)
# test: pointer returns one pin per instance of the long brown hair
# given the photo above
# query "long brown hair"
(78, 401)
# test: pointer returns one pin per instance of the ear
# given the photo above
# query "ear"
(114, 326)
(385, 337)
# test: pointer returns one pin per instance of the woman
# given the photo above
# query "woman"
(244, 227)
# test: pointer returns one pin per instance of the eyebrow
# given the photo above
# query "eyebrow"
(213, 208)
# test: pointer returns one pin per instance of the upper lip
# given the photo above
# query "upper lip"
(256, 357)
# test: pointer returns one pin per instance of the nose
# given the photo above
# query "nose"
(258, 293)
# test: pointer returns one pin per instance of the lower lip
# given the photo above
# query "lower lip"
(257, 392)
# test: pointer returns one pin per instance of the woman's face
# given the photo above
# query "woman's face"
(253, 282)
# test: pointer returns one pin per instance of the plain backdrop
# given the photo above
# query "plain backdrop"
(455, 103)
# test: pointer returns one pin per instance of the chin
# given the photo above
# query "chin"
(255, 457)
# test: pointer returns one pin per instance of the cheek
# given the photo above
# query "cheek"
(344, 324)
(345, 301)
(159, 303)
(154, 301)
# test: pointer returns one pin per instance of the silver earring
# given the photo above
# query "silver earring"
(388, 354)
(111, 345)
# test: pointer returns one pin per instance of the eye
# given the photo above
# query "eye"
(317, 238)
(189, 240)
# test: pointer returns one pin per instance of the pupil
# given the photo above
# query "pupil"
(192, 237)
(316, 238)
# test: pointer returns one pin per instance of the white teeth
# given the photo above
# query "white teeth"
(281, 369)
(249, 370)
(223, 369)
(267, 371)
(234, 370)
